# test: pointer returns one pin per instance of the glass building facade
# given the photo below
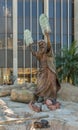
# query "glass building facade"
(18, 15)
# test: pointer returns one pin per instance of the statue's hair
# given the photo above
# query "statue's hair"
(41, 43)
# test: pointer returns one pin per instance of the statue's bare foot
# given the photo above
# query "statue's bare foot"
(52, 107)
(57, 105)
(48, 102)
(52, 104)
(34, 107)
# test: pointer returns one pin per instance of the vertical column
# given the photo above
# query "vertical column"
(23, 39)
(46, 10)
(6, 13)
(37, 29)
(61, 24)
(68, 24)
(15, 63)
(46, 7)
(55, 24)
(31, 33)
(76, 21)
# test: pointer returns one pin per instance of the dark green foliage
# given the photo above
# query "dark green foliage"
(67, 64)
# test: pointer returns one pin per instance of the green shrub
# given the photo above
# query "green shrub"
(67, 64)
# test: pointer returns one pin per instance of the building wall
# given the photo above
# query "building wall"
(76, 20)
(18, 15)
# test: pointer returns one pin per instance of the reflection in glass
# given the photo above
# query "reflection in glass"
(6, 31)
(27, 14)
(65, 40)
(20, 8)
(51, 8)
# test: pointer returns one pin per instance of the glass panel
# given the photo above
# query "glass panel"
(70, 8)
(52, 38)
(9, 47)
(2, 19)
(58, 17)
(70, 39)
(2, 8)
(65, 16)
(58, 39)
(2, 40)
(20, 8)
(34, 18)
(5, 78)
(58, 9)
(58, 52)
(27, 14)
(27, 9)
(41, 6)
(70, 26)
(71, 11)
(27, 75)
(20, 25)
(9, 25)
(65, 41)
(65, 8)
(20, 57)
(10, 42)
(9, 8)
(20, 17)
(51, 8)
(58, 45)
(40, 36)
(20, 40)
(20, 34)
(34, 30)
(34, 8)
(51, 20)
(65, 26)
(10, 57)
(58, 26)
(6, 40)
(2, 25)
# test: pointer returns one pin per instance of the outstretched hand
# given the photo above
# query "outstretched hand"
(46, 33)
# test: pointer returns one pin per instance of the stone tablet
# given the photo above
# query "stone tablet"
(27, 37)
(44, 23)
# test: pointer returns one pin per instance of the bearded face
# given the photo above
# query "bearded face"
(42, 46)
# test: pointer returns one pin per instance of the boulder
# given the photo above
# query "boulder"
(68, 92)
(5, 90)
(22, 95)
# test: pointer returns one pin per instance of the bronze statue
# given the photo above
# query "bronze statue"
(47, 80)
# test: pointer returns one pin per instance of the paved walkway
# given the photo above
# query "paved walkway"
(18, 116)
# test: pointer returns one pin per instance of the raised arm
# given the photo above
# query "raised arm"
(33, 53)
(48, 40)
(37, 54)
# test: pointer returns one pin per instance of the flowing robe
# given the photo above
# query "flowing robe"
(47, 81)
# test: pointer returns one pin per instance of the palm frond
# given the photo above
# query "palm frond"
(67, 64)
